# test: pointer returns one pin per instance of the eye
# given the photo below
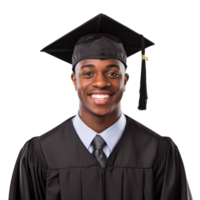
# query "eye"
(87, 73)
(113, 73)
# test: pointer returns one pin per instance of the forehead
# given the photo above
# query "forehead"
(99, 63)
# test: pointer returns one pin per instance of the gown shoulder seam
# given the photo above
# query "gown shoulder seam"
(35, 147)
(42, 152)
(164, 148)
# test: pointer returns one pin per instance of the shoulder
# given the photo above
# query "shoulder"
(53, 134)
(142, 132)
(32, 152)
(167, 150)
(153, 144)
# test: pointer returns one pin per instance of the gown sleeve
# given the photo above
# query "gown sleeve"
(170, 179)
(28, 178)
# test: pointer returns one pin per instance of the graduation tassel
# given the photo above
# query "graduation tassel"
(143, 86)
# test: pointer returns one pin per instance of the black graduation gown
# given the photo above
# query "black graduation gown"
(57, 166)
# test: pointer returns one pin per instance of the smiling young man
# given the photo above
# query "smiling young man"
(100, 85)
(100, 153)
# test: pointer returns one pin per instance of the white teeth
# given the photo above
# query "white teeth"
(100, 96)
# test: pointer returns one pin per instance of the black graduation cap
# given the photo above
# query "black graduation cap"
(102, 38)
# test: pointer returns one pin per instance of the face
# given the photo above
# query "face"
(100, 85)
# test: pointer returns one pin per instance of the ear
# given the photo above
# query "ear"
(126, 79)
(73, 77)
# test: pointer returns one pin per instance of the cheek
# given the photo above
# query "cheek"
(82, 86)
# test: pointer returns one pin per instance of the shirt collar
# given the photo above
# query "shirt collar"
(110, 135)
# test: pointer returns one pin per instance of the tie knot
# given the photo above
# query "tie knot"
(98, 142)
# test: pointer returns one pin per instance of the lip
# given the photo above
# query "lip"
(100, 102)
(101, 92)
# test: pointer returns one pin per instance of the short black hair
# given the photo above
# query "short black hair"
(123, 63)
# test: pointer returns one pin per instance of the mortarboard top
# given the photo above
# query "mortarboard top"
(102, 38)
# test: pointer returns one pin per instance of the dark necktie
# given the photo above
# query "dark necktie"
(98, 144)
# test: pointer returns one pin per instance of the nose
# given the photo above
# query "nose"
(100, 81)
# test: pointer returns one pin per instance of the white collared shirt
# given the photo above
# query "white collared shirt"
(111, 135)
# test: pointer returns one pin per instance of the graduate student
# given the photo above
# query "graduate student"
(100, 153)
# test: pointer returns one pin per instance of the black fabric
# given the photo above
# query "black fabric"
(98, 46)
(143, 86)
(57, 166)
(98, 143)
(69, 49)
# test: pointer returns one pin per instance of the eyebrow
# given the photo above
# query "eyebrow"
(108, 66)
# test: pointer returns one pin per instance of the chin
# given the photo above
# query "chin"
(101, 112)
(100, 115)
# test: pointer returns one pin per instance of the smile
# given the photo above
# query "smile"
(100, 98)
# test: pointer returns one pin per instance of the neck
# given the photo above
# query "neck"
(99, 123)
